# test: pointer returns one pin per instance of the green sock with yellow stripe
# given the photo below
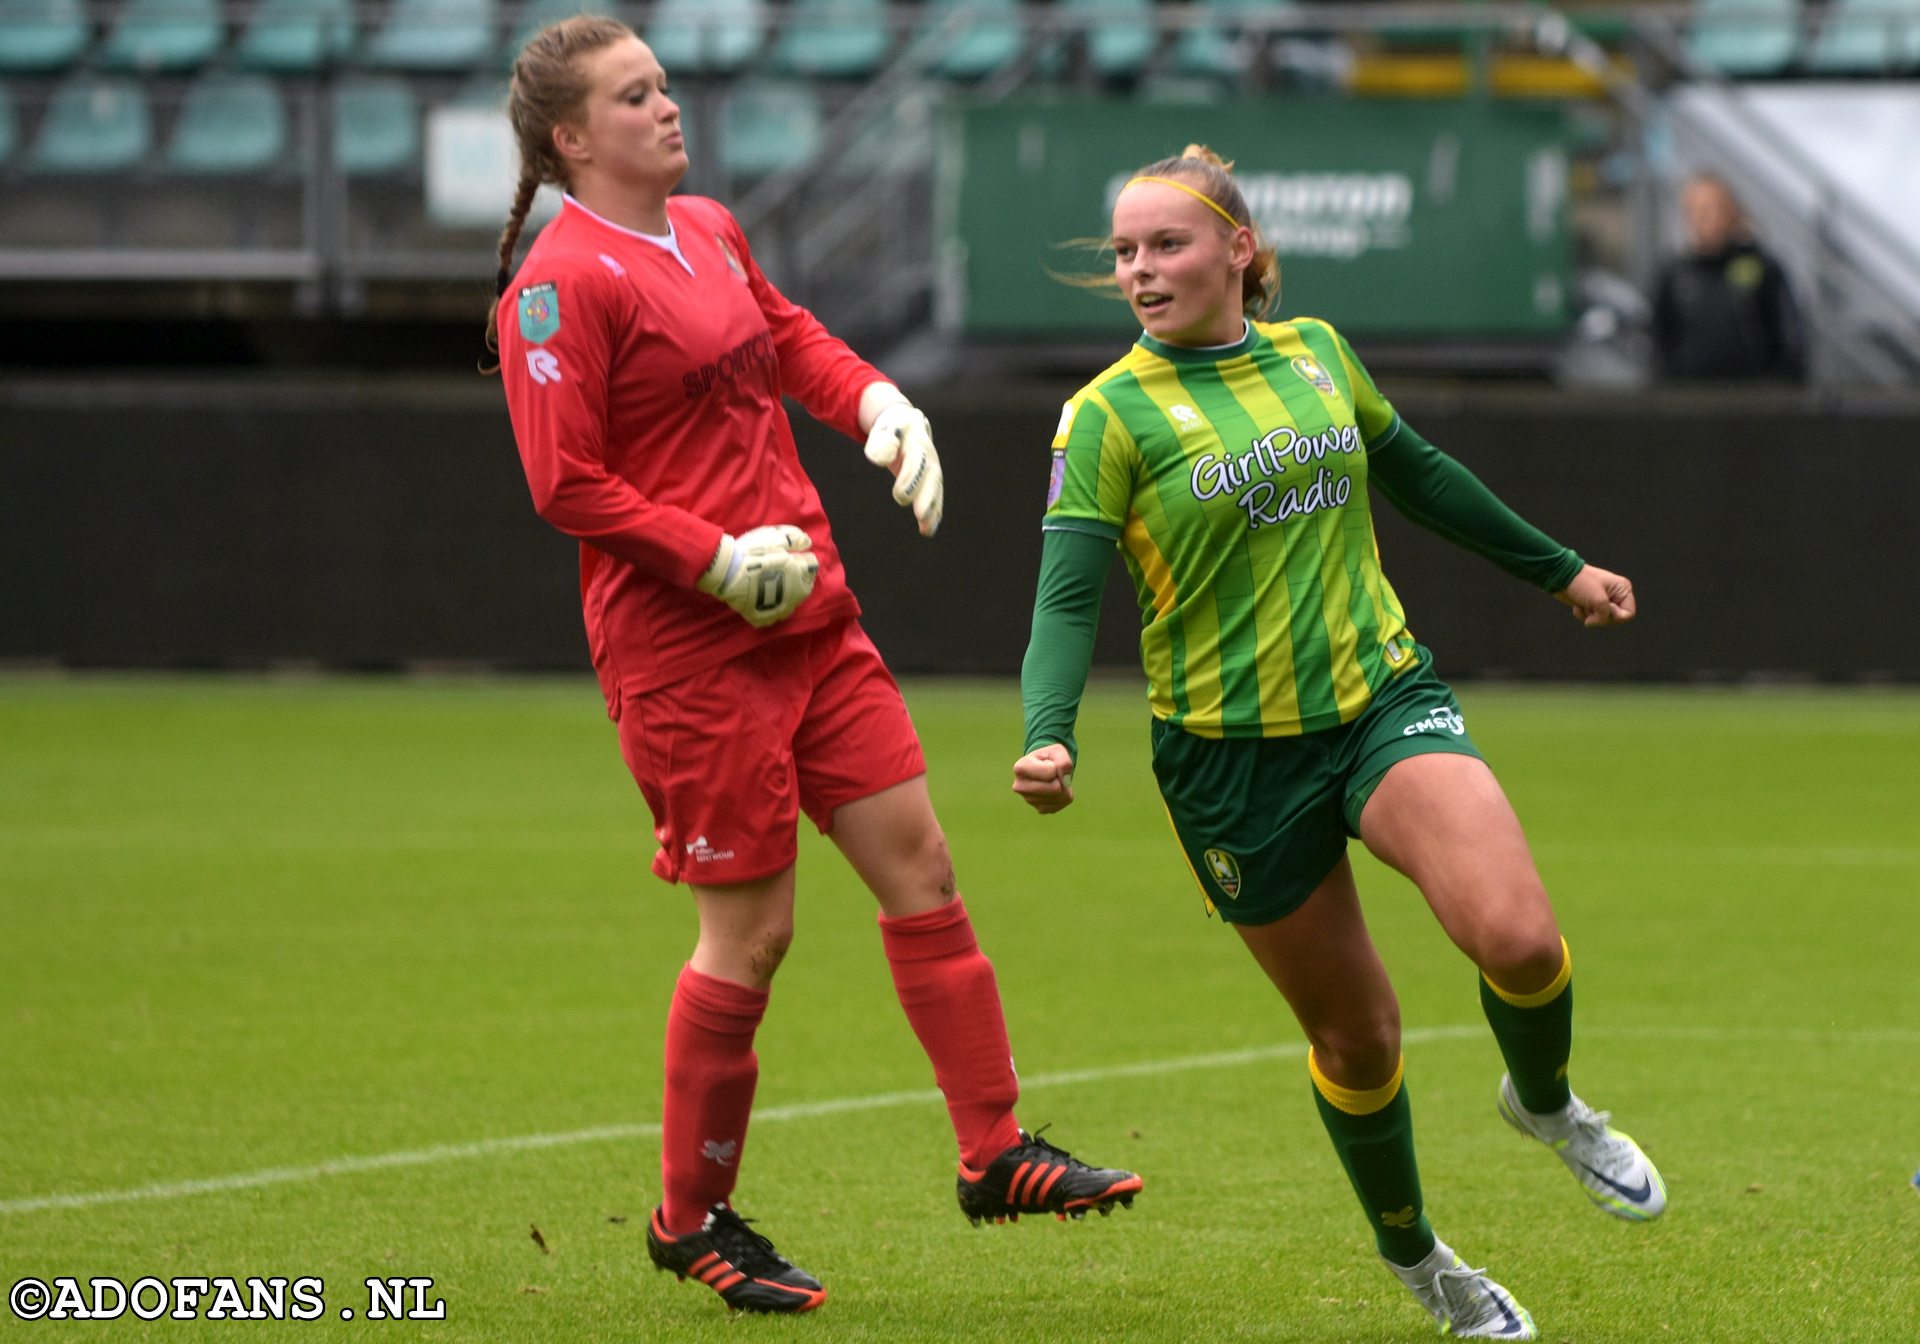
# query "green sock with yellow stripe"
(1535, 1034)
(1372, 1133)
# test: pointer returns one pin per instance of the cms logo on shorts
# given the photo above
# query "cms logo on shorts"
(1440, 719)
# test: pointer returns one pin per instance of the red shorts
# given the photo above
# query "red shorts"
(728, 757)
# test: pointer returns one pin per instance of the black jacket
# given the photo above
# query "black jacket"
(1727, 314)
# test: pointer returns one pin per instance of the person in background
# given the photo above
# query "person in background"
(1232, 463)
(645, 357)
(1724, 309)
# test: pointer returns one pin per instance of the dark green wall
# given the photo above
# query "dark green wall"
(216, 523)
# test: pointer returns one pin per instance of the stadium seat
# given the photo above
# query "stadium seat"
(94, 125)
(987, 37)
(1421, 30)
(1744, 37)
(434, 35)
(1867, 37)
(228, 124)
(537, 14)
(163, 35)
(9, 125)
(1121, 40)
(42, 35)
(769, 125)
(295, 36)
(376, 127)
(834, 39)
(488, 91)
(1217, 45)
(706, 37)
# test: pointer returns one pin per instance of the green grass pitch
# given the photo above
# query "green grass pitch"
(365, 978)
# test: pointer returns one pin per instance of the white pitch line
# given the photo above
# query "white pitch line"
(804, 1110)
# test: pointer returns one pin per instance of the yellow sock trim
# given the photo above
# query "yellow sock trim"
(1543, 996)
(1350, 1101)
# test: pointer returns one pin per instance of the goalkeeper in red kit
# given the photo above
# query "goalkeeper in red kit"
(645, 357)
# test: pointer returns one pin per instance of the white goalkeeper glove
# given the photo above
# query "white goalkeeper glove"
(902, 441)
(764, 574)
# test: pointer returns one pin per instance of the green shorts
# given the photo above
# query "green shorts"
(1264, 819)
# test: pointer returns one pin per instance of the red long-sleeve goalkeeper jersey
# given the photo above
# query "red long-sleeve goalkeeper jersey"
(645, 397)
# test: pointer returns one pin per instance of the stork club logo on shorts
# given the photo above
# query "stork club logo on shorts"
(1225, 870)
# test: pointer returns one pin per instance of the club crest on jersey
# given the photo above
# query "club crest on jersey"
(539, 313)
(1225, 870)
(733, 262)
(1309, 368)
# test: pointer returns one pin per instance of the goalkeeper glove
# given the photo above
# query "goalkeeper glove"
(902, 441)
(764, 574)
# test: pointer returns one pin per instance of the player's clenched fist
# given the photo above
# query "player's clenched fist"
(1044, 778)
(1599, 597)
(764, 574)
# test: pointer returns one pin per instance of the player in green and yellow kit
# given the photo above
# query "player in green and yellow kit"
(1231, 462)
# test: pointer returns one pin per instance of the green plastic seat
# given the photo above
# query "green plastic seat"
(1216, 45)
(94, 125)
(987, 39)
(706, 37)
(1118, 36)
(1867, 37)
(296, 36)
(9, 125)
(41, 36)
(164, 35)
(539, 13)
(485, 91)
(832, 39)
(229, 124)
(1745, 37)
(376, 127)
(1424, 31)
(1122, 40)
(434, 35)
(768, 125)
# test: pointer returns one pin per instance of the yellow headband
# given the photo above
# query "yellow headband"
(1201, 197)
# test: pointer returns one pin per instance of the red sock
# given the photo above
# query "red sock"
(946, 984)
(711, 1070)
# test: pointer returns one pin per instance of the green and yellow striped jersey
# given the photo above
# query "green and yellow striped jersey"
(1234, 481)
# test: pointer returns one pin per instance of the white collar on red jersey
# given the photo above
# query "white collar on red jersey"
(666, 242)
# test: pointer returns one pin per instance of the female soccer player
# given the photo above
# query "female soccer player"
(1230, 462)
(645, 356)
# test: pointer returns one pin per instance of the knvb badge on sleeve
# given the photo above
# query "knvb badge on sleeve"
(539, 313)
